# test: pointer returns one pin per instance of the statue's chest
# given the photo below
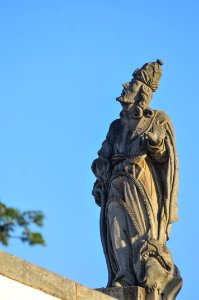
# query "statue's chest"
(129, 137)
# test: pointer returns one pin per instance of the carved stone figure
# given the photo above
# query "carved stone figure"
(136, 187)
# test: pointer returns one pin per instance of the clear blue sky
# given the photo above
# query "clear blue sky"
(62, 64)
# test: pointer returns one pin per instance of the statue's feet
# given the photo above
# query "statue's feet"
(120, 283)
(117, 284)
(124, 278)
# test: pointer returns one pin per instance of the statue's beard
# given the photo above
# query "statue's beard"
(137, 109)
(132, 103)
(128, 100)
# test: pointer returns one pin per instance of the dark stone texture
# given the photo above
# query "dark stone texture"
(126, 293)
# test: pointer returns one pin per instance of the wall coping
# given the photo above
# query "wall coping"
(45, 281)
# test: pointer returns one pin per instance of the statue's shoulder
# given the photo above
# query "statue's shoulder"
(114, 125)
(161, 116)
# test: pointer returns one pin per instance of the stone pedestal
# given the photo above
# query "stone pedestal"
(126, 293)
(130, 293)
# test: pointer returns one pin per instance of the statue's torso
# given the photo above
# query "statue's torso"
(128, 139)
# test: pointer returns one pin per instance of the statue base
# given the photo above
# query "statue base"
(130, 293)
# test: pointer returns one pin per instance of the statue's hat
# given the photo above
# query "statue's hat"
(150, 74)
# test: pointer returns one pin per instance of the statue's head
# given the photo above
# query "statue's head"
(139, 90)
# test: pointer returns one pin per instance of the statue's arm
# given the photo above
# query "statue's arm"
(156, 138)
(101, 166)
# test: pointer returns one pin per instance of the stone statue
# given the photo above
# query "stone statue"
(136, 188)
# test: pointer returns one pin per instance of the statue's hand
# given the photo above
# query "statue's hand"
(153, 138)
(97, 192)
(157, 135)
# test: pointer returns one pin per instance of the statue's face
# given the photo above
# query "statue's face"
(130, 92)
(135, 92)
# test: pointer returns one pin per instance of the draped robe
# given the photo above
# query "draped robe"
(136, 188)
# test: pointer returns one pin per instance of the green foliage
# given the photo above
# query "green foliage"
(12, 220)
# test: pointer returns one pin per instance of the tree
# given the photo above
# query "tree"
(17, 224)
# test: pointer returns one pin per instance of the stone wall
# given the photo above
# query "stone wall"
(19, 275)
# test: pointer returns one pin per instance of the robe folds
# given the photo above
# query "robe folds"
(136, 187)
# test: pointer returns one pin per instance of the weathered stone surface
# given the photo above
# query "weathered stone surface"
(132, 293)
(43, 280)
(83, 293)
(136, 187)
(126, 293)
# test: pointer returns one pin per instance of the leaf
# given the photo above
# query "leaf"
(12, 220)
